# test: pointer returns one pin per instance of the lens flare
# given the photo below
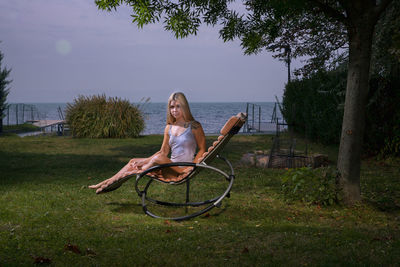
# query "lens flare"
(63, 47)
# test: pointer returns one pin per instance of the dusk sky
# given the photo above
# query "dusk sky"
(59, 49)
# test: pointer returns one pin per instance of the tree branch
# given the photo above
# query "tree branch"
(381, 7)
(329, 11)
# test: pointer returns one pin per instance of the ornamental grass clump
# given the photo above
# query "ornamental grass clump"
(99, 117)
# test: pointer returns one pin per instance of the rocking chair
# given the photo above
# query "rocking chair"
(231, 127)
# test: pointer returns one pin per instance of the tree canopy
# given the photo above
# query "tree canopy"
(312, 29)
(4, 90)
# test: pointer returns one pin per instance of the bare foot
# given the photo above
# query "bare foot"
(103, 184)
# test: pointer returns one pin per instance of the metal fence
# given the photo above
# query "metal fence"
(255, 124)
(16, 114)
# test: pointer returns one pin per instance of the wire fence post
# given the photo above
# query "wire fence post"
(23, 113)
(8, 114)
(247, 123)
(16, 113)
(252, 121)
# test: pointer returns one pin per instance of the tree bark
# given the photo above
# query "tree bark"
(360, 34)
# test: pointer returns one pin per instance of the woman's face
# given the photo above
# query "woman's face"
(176, 109)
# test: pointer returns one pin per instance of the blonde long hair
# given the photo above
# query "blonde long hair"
(187, 115)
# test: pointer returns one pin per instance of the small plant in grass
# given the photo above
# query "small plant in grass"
(317, 186)
(99, 117)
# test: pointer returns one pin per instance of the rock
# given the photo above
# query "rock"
(255, 160)
(319, 160)
(261, 159)
(248, 159)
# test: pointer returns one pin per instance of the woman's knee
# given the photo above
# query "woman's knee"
(136, 160)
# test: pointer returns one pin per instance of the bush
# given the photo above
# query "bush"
(382, 131)
(99, 117)
(312, 186)
(313, 106)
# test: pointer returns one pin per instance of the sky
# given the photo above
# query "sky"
(59, 49)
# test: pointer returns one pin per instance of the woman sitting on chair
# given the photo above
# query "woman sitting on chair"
(181, 136)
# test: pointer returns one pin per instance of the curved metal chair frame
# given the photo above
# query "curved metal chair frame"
(209, 203)
(231, 128)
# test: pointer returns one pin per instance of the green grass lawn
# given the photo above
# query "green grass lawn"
(47, 213)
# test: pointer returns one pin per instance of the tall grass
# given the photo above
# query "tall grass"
(98, 117)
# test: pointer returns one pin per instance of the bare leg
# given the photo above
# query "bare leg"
(134, 166)
(128, 169)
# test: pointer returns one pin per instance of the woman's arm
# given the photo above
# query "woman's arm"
(200, 137)
(163, 152)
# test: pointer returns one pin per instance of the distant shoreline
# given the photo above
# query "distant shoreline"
(212, 115)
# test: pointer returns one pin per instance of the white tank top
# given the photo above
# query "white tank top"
(182, 146)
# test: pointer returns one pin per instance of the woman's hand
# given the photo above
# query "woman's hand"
(200, 137)
(138, 164)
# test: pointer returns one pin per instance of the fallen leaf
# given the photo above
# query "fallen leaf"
(167, 222)
(72, 248)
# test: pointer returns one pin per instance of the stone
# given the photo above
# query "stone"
(248, 159)
(319, 160)
(262, 160)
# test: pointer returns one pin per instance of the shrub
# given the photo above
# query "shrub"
(382, 131)
(313, 106)
(312, 186)
(99, 117)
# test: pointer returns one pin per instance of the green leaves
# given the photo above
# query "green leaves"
(182, 22)
(108, 4)
(99, 117)
(313, 186)
(144, 13)
(183, 18)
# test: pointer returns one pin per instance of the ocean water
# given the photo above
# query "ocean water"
(212, 116)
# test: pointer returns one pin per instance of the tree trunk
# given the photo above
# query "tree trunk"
(349, 158)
